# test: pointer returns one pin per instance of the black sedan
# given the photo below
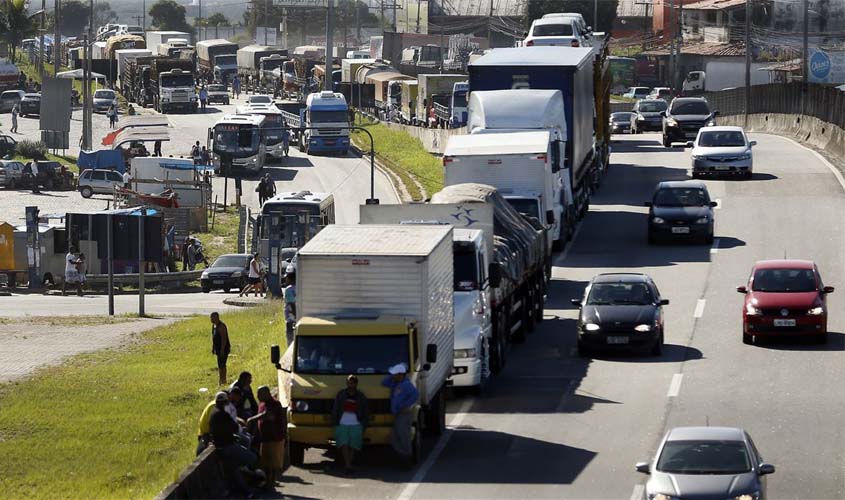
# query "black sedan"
(680, 209)
(621, 311)
(227, 272)
(30, 105)
(620, 123)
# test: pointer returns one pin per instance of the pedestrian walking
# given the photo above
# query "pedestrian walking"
(220, 345)
(196, 153)
(72, 272)
(157, 148)
(403, 397)
(236, 87)
(272, 432)
(290, 303)
(247, 406)
(33, 169)
(82, 269)
(112, 114)
(203, 98)
(254, 278)
(285, 137)
(349, 417)
(269, 187)
(261, 190)
(15, 112)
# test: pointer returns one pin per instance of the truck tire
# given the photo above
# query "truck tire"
(416, 444)
(528, 308)
(296, 452)
(541, 302)
(436, 414)
(498, 344)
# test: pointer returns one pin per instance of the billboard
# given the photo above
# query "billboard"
(826, 66)
(302, 3)
(55, 97)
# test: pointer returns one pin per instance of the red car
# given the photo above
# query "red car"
(784, 297)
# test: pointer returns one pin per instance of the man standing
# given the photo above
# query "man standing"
(72, 272)
(205, 158)
(290, 303)
(350, 417)
(272, 431)
(403, 396)
(195, 153)
(15, 111)
(247, 406)
(269, 187)
(157, 148)
(224, 432)
(33, 168)
(236, 87)
(220, 345)
(261, 189)
(127, 178)
(203, 98)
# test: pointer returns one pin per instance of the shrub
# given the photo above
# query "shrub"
(32, 149)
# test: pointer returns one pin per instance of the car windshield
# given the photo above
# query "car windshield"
(552, 30)
(784, 280)
(620, 117)
(466, 268)
(216, 88)
(104, 94)
(690, 108)
(11, 94)
(704, 457)
(631, 294)
(721, 139)
(681, 197)
(260, 99)
(652, 107)
(231, 261)
(372, 354)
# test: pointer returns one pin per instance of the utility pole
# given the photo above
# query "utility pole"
(329, 45)
(672, 56)
(199, 21)
(266, 18)
(806, 47)
(489, 28)
(144, 14)
(41, 42)
(357, 22)
(141, 262)
(87, 102)
(747, 59)
(680, 35)
(595, 13)
(254, 20)
(285, 27)
(57, 36)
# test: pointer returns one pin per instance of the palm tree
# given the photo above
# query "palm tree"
(17, 25)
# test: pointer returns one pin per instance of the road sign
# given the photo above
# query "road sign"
(302, 3)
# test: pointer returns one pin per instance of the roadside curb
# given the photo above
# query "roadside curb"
(246, 301)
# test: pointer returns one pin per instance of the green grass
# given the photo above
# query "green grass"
(222, 239)
(68, 160)
(405, 156)
(122, 424)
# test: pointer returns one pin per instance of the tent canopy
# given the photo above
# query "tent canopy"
(79, 74)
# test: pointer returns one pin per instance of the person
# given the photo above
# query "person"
(112, 114)
(286, 136)
(81, 268)
(130, 111)
(349, 418)
(33, 169)
(143, 97)
(203, 98)
(269, 187)
(184, 253)
(192, 256)
(254, 278)
(272, 433)
(199, 255)
(236, 397)
(403, 396)
(71, 272)
(223, 431)
(195, 153)
(247, 406)
(261, 189)
(236, 87)
(157, 148)
(204, 156)
(15, 111)
(127, 178)
(290, 303)
(220, 345)
(203, 427)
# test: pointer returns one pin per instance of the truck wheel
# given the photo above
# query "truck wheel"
(497, 347)
(86, 192)
(436, 415)
(540, 308)
(296, 453)
(416, 445)
(528, 308)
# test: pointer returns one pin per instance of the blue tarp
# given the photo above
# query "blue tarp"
(111, 159)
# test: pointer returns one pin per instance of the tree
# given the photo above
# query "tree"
(103, 14)
(217, 19)
(17, 24)
(169, 16)
(606, 11)
(74, 17)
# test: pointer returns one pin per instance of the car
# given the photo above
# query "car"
(637, 92)
(784, 297)
(11, 173)
(7, 145)
(8, 99)
(567, 30)
(620, 122)
(660, 93)
(259, 99)
(30, 104)
(706, 462)
(722, 151)
(621, 310)
(684, 118)
(680, 209)
(104, 99)
(98, 181)
(649, 115)
(227, 272)
(217, 93)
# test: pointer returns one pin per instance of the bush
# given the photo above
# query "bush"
(32, 149)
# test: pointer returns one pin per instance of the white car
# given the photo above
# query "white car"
(98, 182)
(259, 99)
(722, 151)
(637, 92)
(567, 30)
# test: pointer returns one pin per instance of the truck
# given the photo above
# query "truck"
(217, 58)
(505, 113)
(349, 68)
(155, 38)
(382, 81)
(122, 42)
(368, 298)
(172, 47)
(720, 75)
(408, 101)
(172, 85)
(9, 74)
(453, 114)
(124, 57)
(135, 78)
(433, 87)
(574, 71)
(251, 57)
(322, 125)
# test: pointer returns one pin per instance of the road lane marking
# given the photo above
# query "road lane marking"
(638, 492)
(715, 249)
(675, 385)
(570, 244)
(830, 166)
(411, 488)
(699, 308)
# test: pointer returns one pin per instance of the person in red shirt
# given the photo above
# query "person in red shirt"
(272, 432)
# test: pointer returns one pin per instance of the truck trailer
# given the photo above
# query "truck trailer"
(208, 64)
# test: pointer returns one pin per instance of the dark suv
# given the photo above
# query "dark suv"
(649, 113)
(684, 117)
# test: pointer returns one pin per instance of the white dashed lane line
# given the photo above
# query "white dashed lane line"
(675, 385)
(699, 308)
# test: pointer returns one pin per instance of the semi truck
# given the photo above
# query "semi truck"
(217, 58)
(155, 38)
(135, 78)
(322, 125)
(172, 85)
(453, 114)
(368, 297)
(432, 87)
(125, 56)
(575, 71)
(254, 60)
(173, 47)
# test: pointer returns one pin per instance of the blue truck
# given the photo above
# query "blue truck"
(570, 70)
(322, 126)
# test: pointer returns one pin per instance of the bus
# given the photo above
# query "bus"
(238, 138)
(623, 73)
(287, 222)
(273, 127)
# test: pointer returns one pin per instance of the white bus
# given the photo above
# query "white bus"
(239, 138)
(273, 127)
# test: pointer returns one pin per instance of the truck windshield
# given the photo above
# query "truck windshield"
(177, 81)
(350, 354)
(273, 129)
(329, 116)
(236, 139)
(460, 99)
(466, 268)
(272, 64)
(226, 60)
(526, 206)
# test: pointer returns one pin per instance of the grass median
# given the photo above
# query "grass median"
(122, 423)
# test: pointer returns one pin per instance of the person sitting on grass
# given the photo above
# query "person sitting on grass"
(233, 456)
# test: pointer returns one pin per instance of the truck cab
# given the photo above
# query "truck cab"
(176, 91)
(694, 83)
(225, 67)
(327, 123)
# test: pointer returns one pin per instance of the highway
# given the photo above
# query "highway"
(554, 425)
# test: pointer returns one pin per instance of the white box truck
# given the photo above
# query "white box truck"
(124, 56)
(154, 38)
(368, 298)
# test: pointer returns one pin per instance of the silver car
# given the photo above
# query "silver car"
(11, 173)
(104, 99)
(9, 98)
(706, 462)
(722, 151)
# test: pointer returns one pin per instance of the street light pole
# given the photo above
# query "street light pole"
(57, 36)
(41, 42)
(747, 59)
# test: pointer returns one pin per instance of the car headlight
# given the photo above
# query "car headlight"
(236, 274)
(165, 99)
(658, 220)
(702, 220)
(746, 156)
(670, 122)
(592, 327)
(711, 123)
(301, 406)
(642, 328)
(661, 496)
(751, 310)
(749, 496)
(464, 353)
(204, 275)
(816, 311)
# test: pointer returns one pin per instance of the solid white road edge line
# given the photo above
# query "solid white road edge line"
(699, 308)
(675, 385)
(563, 255)
(830, 166)
(411, 488)
(715, 248)
(637, 494)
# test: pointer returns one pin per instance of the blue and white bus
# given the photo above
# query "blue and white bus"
(287, 222)
(273, 127)
(241, 137)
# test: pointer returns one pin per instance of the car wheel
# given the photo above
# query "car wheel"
(667, 143)
(206, 289)
(11, 184)
(748, 175)
(86, 192)
(226, 289)
(582, 350)
(747, 339)
(657, 348)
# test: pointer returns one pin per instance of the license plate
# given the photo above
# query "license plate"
(784, 322)
(218, 282)
(722, 167)
(617, 340)
(680, 230)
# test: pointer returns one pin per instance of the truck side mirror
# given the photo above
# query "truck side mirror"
(431, 353)
(550, 217)
(275, 355)
(494, 274)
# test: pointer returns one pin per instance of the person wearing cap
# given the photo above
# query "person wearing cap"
(224, 435)
(290, 302)
(350, 416)
(272, 431)
(403, 396)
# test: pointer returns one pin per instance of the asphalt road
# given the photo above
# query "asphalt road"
(557, 426)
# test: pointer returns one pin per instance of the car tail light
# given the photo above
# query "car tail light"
(540, 157)
(529, 43)
(575, 43)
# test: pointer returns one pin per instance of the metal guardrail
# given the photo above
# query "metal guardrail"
(149, 278)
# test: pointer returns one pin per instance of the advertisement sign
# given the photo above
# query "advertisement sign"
(302, 3)
(826, 66)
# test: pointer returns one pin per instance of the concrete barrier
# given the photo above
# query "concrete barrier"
(433, 139)
(202, 479)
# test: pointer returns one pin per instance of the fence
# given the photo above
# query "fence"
(819, 101)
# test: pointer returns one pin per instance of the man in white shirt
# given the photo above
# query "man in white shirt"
(71, 272)
(127, 178)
